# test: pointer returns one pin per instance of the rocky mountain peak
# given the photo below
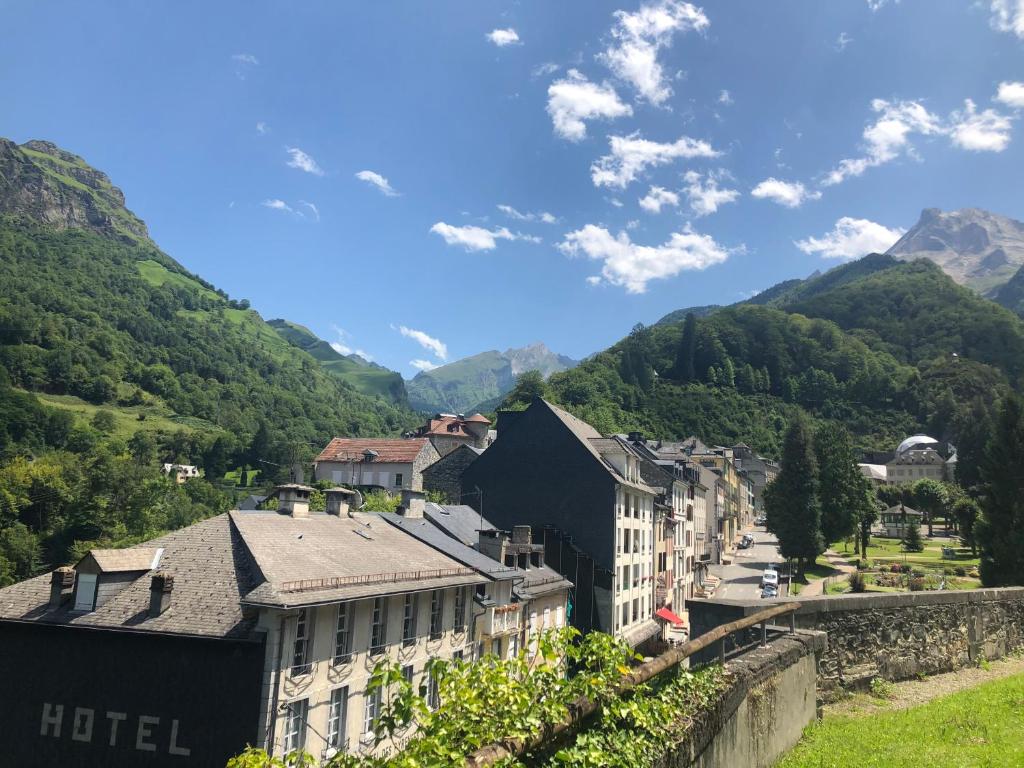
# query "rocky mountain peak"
(50, 185)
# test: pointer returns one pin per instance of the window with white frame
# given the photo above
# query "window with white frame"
(433, 695)
(85, 592)
(301, 644)
(295, 725)
(547, 618)
(398, 479)
(409, 611)
(436, 614)
(378, 625)
(337, 718)
(371, 711)
(460, 610)
(343, 634)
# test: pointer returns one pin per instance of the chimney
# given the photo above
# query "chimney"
(62, 584)
(338, 501)
(413, 503)
(293, 499)
(636, 437)
(522, 534)
(160, 587)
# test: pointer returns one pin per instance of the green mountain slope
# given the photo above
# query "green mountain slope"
(91, 308)
(366, 377)
(1011, 293)
(869, 345)
(479, 382)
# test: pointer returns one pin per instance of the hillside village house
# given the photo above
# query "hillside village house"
(393, 465)
(256, 627)
(181, 473)
(758, 470)
(447, 431)
(919, 457)
(552, 471)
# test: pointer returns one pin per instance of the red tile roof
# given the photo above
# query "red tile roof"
(352, 449)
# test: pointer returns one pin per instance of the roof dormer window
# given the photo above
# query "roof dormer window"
(85, 592)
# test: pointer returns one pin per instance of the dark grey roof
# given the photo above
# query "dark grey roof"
(460, 521)
(211, 569)
(428, 533)
(540, 581)
(252, 501)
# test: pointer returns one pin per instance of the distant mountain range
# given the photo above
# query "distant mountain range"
(480, 382)
(979, 249)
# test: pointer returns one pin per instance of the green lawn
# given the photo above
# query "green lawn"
(126, 418)
(891, 551)
(982, 726)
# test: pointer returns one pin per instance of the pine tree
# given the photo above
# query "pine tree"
(713, 376)
(1000, 531)
(728, 373)
(791, 501)
(685, 367)
(912, 537)
(841, 486)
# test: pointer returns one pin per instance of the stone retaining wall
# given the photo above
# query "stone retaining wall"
(901, 635)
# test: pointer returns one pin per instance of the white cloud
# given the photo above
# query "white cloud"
(725, 98)
(574, 99)
(842, 41)
(503, 37)
(631, 155)
(542, 216)
(423, 365)
(474, 238)
(277, 205)
(887, 137)
(616, 202)
(657, 197)
(382, 184)
(850, 239)
(1011, 94)
(791, 194)
(1008, 16)
(438, 347)
(986, 131)
(544, 69)
(706, 196)
(637, 38)
(312, 208)
(262, 128)
(875, 5)
(340, 348)
(302, 161)
(246, 58)
(632, 266)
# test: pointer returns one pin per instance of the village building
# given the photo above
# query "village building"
(582, 494)
(919, 457)
(448, 431)
(392, 465)
(897, 519)
(181, 473)
(444, 476)
(258, 627)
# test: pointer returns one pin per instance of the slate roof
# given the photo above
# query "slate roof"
(540, 581)
(211, 569)
(459, 521)
(898, 510)
(403, 451)
(323, 558)
(431, 535)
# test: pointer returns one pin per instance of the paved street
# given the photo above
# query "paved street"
(741, 580)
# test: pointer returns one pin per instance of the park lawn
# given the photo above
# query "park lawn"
(890, 551)
(156, 416)
(980, 726)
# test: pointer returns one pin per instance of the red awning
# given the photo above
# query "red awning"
(667, 615)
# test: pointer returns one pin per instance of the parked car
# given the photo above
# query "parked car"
(770, 578)
(769, 591)
(772, 567)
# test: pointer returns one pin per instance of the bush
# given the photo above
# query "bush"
(857, 582)
(960, 571)
(881, 688)
(917, 584)
(917, 573)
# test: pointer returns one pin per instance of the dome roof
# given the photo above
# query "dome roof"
(916, 441)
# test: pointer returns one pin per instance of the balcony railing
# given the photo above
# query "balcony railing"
(502, 619)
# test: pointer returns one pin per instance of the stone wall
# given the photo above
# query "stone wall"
(761, 715)
(900, 635)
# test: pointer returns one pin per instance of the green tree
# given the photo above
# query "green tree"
(746, 379)
(1000, 531)
(966, 511)
(685, 368)
(142, 447)
(841, 487)
(381, 501)
(791, 500)
(104, 421)
(728, 373)
(912, 537)
(529, 386)
(930, 496)
(215, 462)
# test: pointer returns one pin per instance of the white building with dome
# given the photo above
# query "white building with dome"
(919, 457)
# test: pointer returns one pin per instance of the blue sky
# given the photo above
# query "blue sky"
(484, 174)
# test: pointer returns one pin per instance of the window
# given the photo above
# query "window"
(460, 610)
(559, 621)
(636, 608)
(295, 725)
(337, 717)
(636, 576)
(625, 539)
(457, 655)
(398, 479)
(547, 618)
(433, 695)
(409, 620)
(300, 648)
(371, 711)
(436, 614)
(407, 672)
(625, 613)
(343, 635)
(85, 595)
(378, 626)
(618, 540)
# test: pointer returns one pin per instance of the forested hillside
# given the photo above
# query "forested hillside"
(882, 347)
(113, 358)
